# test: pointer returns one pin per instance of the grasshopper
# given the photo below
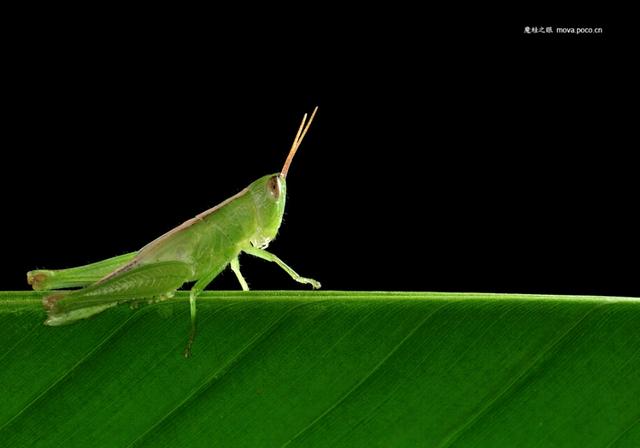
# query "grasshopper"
(195, 251)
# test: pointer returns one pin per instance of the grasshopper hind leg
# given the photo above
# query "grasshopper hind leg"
(141, 282)
(47, 279)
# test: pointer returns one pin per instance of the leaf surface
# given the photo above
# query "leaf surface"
(311, 369)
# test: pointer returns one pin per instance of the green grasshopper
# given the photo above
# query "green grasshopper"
(197, 250)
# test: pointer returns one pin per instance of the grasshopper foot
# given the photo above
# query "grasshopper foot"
(50, 301)
(37, 279)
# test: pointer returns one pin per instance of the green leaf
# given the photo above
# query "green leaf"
(308, 369)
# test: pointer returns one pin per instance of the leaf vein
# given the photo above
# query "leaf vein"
(220, 373)
(364, 379)
(449, 440)
(622, 433)
(19, 341)
(81, 361)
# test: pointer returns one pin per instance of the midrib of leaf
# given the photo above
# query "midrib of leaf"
(33, 299)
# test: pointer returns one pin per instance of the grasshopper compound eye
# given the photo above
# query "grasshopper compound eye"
(273, 186)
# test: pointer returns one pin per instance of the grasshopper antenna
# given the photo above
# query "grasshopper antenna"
(302, 131)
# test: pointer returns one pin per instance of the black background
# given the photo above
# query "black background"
(447, 155)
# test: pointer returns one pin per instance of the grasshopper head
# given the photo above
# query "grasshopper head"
(270, 192)
(269, 196)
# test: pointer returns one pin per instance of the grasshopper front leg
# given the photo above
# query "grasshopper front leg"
(265, 255)
(235, 267)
